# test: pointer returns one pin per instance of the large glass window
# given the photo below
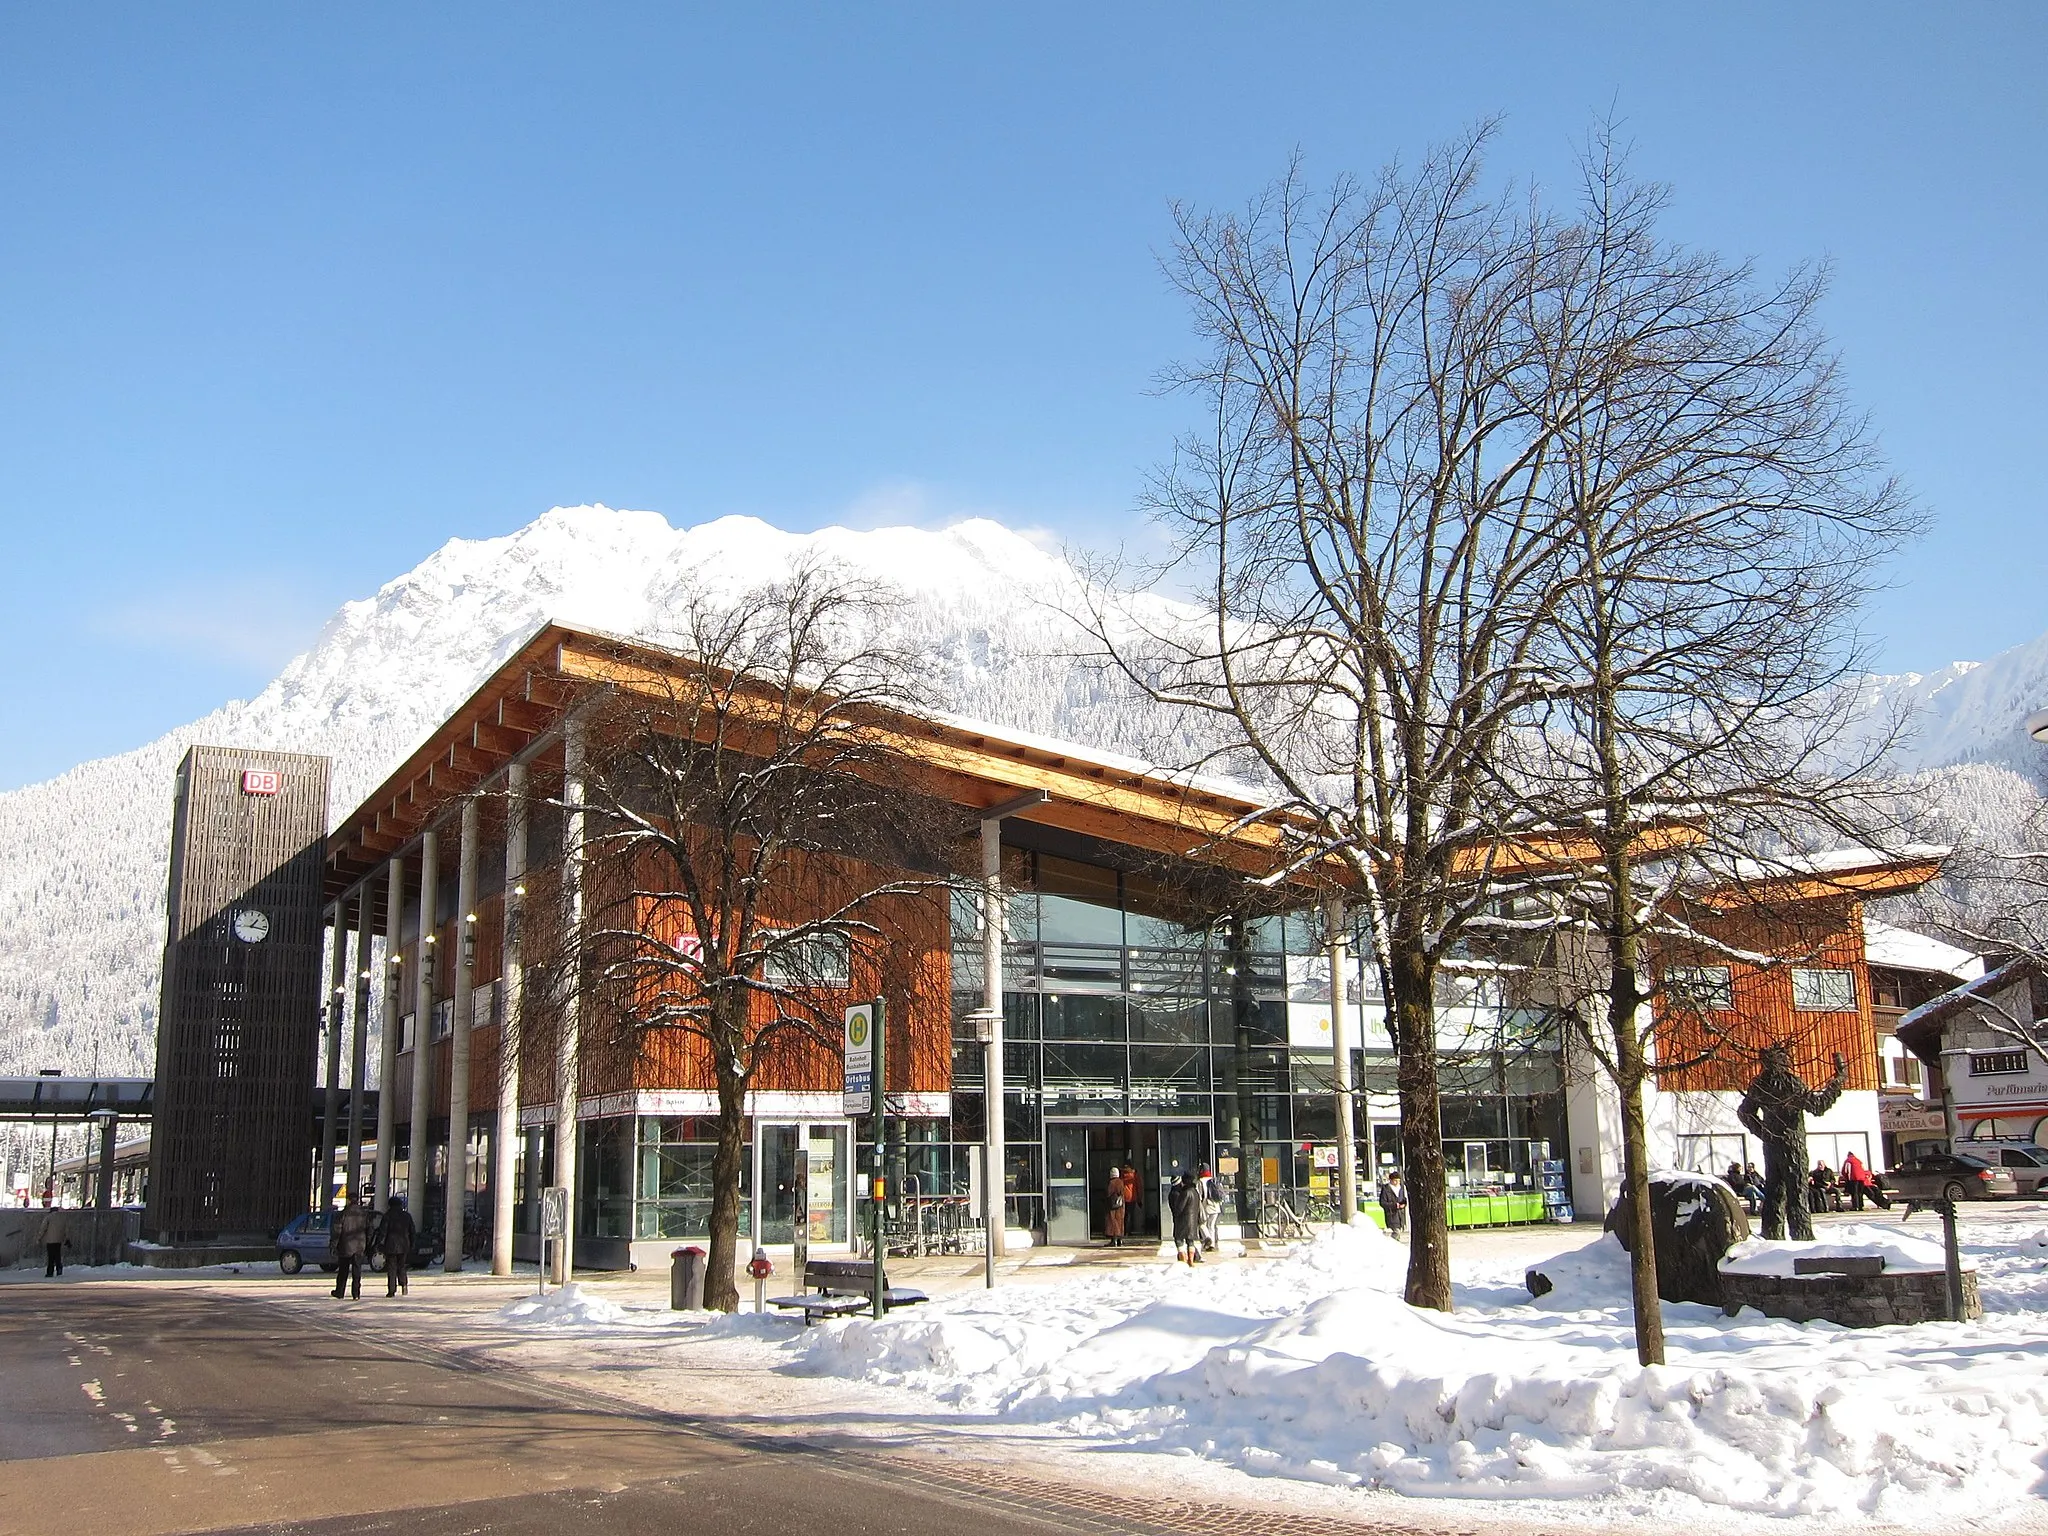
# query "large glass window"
(1085, 1080)
(674, 1185)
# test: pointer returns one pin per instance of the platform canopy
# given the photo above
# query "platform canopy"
(41, 1098)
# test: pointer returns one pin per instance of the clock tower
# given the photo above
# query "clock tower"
(238, 1027)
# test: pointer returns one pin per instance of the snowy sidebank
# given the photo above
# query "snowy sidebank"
(1313, 1368)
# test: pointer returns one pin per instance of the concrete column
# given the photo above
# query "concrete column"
(359, 1041)
(455, 1209)
(418, 1160)
(1335, 920)
(506, 1136)
(104, 1196)
(569, 1047)
(333, 1012)
(387, 1060)
(994, 918)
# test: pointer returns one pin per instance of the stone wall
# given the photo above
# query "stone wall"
(97, 1237)
(1896, 1296)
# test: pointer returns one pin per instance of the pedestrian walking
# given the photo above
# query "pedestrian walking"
(1212, 1209)
(347, 1241)
(1113, 1223)
(56, 1237)
(1134, 1202)
(395, 1237)
(1394, 1203)
(1184, 1202)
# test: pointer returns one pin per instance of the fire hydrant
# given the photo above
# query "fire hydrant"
(760, 1266)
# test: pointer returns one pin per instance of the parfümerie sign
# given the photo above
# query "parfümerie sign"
(859, 1045)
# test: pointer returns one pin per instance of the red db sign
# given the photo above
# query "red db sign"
(261, 781)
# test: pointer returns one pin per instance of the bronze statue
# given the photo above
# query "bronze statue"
(1775, 1110)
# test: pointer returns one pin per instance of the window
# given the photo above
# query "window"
(1906, 1071)
(1997, 1063)
(1823, 991)
(817, 960)
(443, 1018)
(1701, 988)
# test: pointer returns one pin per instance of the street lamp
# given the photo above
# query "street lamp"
(2037, 726)
(50, 1184)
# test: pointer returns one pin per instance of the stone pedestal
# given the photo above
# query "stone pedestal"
(1854, 1301)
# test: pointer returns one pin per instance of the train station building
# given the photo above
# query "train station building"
(1165, 1001)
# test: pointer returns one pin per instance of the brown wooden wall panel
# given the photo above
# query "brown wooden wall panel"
(1826, 935)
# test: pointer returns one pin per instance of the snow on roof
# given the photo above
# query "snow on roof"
(1884, 944)
(1919, 1030)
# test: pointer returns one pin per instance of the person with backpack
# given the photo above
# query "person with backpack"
(1113, 1223)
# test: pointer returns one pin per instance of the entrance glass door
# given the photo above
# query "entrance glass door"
(775, 1220)
(1066, 1184)
(825, 1204)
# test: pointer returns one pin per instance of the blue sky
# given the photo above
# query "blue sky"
(289, 295)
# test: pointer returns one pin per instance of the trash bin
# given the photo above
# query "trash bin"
(686, 1280)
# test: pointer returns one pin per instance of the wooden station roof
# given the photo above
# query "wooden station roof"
(976, 767)
(1096, 795)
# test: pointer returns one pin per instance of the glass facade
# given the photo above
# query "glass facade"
(1133, 1034)
(1133, 1040)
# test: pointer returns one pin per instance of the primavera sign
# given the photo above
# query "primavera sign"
(859, 1048)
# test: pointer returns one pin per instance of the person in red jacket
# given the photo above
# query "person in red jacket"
(1134, 1210)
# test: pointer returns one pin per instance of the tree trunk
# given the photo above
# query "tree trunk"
(1422, 1142)
(1637, 1197)
(721, 1293)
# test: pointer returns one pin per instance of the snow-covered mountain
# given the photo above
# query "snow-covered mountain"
(1971, 712)
(81, 901)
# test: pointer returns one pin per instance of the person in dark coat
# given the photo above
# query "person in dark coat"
(1184, 1201)
(1394, 1203)
(1113, 1223)
(348, 1240)
(396, 1239)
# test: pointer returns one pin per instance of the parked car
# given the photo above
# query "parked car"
(1951, 1176)
(2027, 1163)
(304, 1241)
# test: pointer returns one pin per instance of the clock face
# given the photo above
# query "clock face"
(251, 926)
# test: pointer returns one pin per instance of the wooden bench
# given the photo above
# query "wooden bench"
(841, 1287)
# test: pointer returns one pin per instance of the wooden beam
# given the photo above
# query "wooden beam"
(526, 715)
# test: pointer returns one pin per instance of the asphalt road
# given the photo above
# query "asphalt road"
(142, 1410)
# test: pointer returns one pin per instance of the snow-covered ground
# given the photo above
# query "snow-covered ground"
(1314, 1369)
(1311, 1369)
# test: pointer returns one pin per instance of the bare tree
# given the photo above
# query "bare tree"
(1725, 514)
(758, 857)
(1363, 517)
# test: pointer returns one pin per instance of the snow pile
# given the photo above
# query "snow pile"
(571, 1306)
(1899, 1250)
(1313, 1368)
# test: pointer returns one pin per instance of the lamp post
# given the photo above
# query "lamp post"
(2037, 726)
(50, 1184)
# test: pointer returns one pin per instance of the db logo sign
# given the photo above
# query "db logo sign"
(261, 781)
